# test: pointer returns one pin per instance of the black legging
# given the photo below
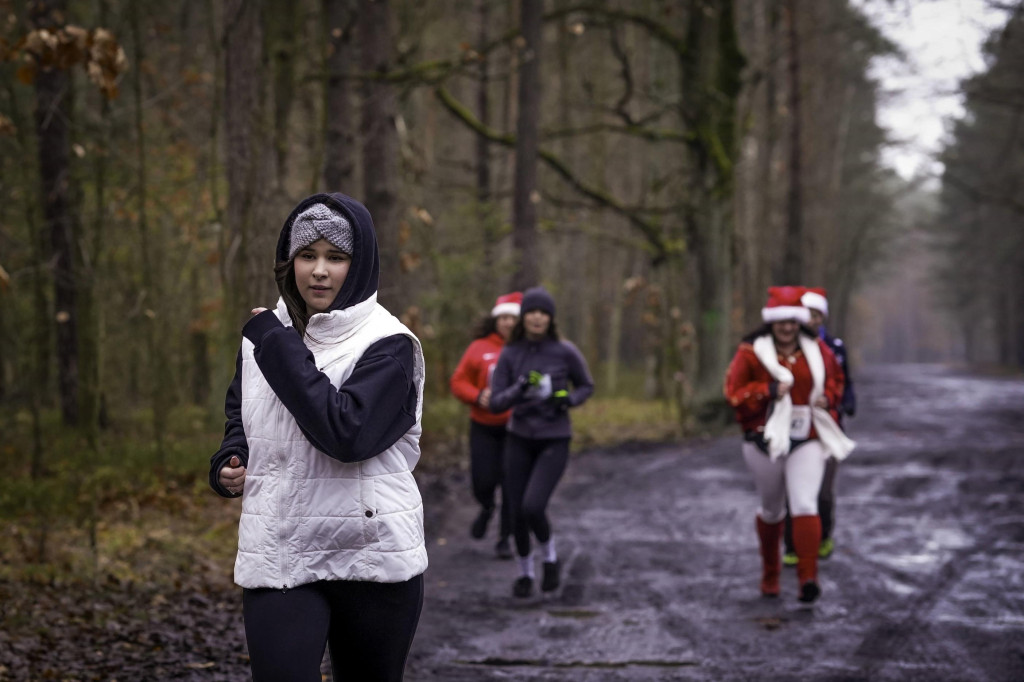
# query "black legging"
(369, 627)
(486, 448)
(532, 470)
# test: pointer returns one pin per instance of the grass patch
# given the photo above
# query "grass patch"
(607, 422)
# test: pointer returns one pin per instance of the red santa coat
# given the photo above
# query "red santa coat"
(748, 384)
(473, 375)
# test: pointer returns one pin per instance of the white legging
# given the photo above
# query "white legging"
(797, 475)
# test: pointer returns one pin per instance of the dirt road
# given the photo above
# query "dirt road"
(661, 580)
(927, 581)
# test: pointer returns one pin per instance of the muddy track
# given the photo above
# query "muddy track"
(661, 570)
(661, 560)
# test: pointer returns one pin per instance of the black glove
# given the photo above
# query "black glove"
(849, 405)
(529, 381)
(560, 399)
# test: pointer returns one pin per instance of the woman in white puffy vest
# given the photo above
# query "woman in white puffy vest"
(322, 434)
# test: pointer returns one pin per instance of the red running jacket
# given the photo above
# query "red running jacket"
(748, 385)
(473, 375)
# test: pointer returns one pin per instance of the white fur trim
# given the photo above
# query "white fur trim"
(776, 428)
(505, 309)
(786, 312)
(816, 301)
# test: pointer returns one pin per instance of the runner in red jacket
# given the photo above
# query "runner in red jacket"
(785, 386)
(471, 383)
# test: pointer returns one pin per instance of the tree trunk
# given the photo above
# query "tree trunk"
(243, 119)
(713, 68)
(380, 147)
(482, 156)
(792, 264)
(53, 122)
(283, 40)
(339, 124)
(525, 197)
(152, 318)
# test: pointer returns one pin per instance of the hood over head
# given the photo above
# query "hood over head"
(364, 272)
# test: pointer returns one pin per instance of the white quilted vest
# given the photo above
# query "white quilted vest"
(305, 515)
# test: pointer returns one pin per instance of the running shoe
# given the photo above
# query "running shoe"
(789, 559)
(809, 592)
(503, 549)
(552, 576)
(826, 548)
(479, 527)
(522, 587)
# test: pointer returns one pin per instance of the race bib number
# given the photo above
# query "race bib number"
(800, 424)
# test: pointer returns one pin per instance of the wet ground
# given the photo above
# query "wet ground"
(662, 568)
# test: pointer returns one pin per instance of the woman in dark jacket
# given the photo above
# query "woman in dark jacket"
(534, 375)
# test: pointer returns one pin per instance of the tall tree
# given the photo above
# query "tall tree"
(244, 270)
(792, 263)
(380, 145)
(711, 86)
(281, 21)
(339, 134)
(153, 319)
(53, 122)
(525, 196)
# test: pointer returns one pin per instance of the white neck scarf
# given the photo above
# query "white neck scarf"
(776, 429)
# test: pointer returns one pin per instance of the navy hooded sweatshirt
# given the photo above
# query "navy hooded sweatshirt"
(562, 365)
(364, 416)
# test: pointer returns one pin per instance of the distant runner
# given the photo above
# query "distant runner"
(533, 377)
(471, 383)
(782, 383)
(814, 300)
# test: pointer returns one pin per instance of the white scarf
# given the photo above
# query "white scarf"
(776, 429)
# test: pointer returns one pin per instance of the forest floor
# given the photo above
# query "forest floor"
(661, 569)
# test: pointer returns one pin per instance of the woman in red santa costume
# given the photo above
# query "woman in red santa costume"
(471, 383)
(785, 385)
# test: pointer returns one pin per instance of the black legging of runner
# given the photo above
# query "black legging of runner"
(369, 627)
(826, 505)
(486, 454)
(532, 470)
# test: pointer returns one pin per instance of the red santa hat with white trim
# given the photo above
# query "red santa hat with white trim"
(815, 299)
(507, 304)
(784, 304)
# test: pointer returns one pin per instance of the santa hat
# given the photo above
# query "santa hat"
(507, 304)
(784, 304)
(814, 298)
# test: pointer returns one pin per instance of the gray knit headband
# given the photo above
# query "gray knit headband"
(320, 221)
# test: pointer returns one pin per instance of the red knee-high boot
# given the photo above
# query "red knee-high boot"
(806, 539)
(769, 535)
